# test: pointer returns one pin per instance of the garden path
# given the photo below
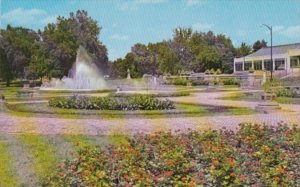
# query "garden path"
(11, 124)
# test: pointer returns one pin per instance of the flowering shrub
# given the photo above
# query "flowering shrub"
(253, 156)
(283, 92)
(136, 102)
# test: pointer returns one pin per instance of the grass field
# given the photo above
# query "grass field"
(256, 97)
(26, 159)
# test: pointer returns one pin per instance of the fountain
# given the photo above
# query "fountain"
(84, 76)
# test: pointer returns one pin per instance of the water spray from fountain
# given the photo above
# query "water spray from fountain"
(84, 75)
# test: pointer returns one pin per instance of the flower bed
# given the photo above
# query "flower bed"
(136, 102)
(253, 156)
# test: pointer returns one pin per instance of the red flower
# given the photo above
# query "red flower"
(230, 162)
(232, 174)
(281, 170)
(242, 177)
(126, 177)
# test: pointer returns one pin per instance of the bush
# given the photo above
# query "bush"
(207, 72)
(253, 156)
(218, 72)
(231, 82)
(135, 102)
(269, 85)
(282, 92)
(181, 82)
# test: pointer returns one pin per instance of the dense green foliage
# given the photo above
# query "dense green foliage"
(25, 53)
(258, 45)
(253, 156)
(135, 102)
(276, 87)
(231, 82)
(186, 51)
(5, 68)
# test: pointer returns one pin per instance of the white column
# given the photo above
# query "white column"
(285, 64)
(263, 64)
(234, 69)
(273, 64)
(288, 63)
(243, 67)
(252, 64)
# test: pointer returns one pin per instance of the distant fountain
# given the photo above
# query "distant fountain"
(84, 75)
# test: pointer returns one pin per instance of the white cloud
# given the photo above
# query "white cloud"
(49, 19)
(277, 28)
(22, 16)
(289, 32)
(119, 37)
(202, 26)
(193, 2)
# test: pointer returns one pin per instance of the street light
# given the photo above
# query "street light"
(270, 28)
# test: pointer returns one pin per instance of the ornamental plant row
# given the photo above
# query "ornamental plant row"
(135, 102)
(255, 155)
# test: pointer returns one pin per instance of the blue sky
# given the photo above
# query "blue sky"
(126, 22)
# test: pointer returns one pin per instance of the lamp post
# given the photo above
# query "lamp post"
(270, 29)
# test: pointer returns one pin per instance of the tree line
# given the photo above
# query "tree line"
(187, 51)
(51, 52)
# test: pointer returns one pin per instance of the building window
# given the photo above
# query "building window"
(295, 62)
(258, 65)
(279, 64)
(238, 67)
(268, 64)
(248, 65)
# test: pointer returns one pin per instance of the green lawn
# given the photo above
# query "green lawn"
(256, 97)
(7, 176)
(43, 152)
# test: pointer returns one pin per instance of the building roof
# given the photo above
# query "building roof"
(279, 49)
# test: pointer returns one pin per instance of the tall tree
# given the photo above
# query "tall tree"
(19, 45)
(243, 50)
(258, 45)
(63, 39)
(40, 65)
(208, 58)
(168, 61)
(5, 68)
(145, 60)
(182, 35)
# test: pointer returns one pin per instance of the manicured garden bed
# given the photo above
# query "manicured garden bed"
(182, 110)
(136, 102)
(253, 156)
